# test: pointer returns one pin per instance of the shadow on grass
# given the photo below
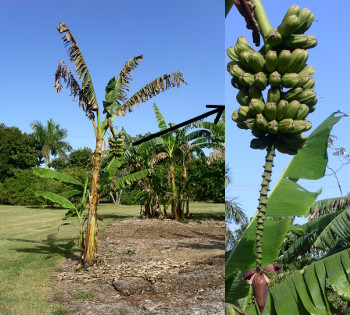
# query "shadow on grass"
(110, 216)
(207, 216)
(50, 246)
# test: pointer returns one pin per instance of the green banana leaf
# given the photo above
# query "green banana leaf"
(324, 231)
(243, 255)
(126, 180)
(304, 292)
(337, 229)
(64, 178)
(63, 202)
(72, 193)
(110, 172)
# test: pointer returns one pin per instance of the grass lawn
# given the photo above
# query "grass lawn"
(31, 246)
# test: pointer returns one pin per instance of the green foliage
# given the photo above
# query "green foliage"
(206, 182)
(17, 151)
(19, 189)
(80, 158)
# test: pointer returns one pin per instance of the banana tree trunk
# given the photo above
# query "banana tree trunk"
(173, 189)
(91, 234)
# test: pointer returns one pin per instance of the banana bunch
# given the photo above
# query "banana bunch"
(281, 68)
(116, 144)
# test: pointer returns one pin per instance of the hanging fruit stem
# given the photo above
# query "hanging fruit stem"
(261, 17)
(265, 187)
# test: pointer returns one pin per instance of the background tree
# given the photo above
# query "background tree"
(50, 139)
(17, 151)
(116, 104)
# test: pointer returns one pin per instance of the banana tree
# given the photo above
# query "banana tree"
(78, 190)
(116, 103)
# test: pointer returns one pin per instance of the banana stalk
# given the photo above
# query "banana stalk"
(265, 187)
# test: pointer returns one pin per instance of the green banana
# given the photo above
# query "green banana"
(244, 58)
(250, 123)
(291, 80)
(259, 143)
(292, 109)
(235, 116)
(235, 70)
(286, 125)
(255, 92)
(243, 112)
(292, 94)
(273, 38)
(304, 77)
(288, 25)
(292, 10)
(306, 97)
(271, 61)
(309, 84)
(272, 127)
(261, 122)
(232, 53)
(300, 41)
(273, 95)
(295, 141)
(312, 109)
(305, 20)
(283, 148)
(241, 125)
(257, 132)
(301, 125)
(281, 109)
(260, 80)
(242, 45)
(297, 60)
(283, 61)
(270, 111)
(246, 79)
(257, 61)
(256, 106)
(310, 70)
(243, 97)
(302, 112)
(275, 79)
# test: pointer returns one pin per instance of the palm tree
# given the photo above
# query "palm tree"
(50, 139)
(116, 103)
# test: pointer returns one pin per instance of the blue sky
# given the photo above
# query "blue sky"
(186, 36)
(332, 63)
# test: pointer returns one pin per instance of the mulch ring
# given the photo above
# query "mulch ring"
(149, 267)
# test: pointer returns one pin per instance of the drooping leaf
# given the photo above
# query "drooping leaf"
(63, 202)
(72, 193)
(152, 89)
(124, 181)
(64, 178)
(80, 66)
(329, 205)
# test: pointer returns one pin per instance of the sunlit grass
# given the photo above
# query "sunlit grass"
(31, 245)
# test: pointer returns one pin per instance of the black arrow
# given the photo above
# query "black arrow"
(218, 109)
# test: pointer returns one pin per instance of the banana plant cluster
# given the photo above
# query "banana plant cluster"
(281, 67)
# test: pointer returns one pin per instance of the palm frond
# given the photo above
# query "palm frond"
(152, 89)
(80, 67)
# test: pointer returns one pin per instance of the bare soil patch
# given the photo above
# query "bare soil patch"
(149, 267)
